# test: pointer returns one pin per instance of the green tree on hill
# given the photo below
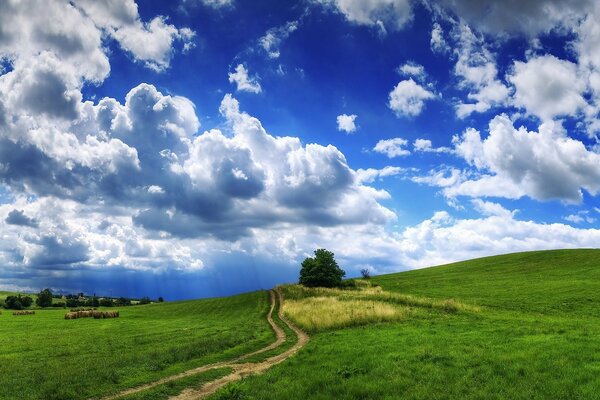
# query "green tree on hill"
(44, 298)
(321, 270)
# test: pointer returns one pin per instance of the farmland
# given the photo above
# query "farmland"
(519, 326)
(44, 356)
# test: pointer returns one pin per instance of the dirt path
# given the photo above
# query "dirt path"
(242, 370)
(239, 369)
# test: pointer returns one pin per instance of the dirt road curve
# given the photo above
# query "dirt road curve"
(240, 369)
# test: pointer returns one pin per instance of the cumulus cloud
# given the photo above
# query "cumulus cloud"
(548, 87)
(392, 147)
(243, 82)
(150, 43)
(18, 217)
(514, 162)
(346, 123)
(273, 38)
(425, 146)
(514, 17)
(370, 175)
(382, 14)
(407, 99)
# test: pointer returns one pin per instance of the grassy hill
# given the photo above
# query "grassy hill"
(516, 326)
(529, 329)
(44, 356)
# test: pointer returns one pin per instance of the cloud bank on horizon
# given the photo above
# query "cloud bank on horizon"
(160, 151)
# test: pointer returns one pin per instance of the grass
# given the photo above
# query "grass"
(525, 326)
(47, 357)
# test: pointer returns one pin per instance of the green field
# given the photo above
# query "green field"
(536, 336)
(46, 357)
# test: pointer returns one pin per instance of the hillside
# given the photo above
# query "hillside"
(555, 281)
(533, 333)
(518, 326)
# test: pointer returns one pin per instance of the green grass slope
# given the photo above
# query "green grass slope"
(556, 281)
(536, 336)
(46, 357)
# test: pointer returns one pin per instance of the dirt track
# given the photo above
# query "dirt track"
(240, 369)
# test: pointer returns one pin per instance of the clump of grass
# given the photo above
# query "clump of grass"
(326, 312)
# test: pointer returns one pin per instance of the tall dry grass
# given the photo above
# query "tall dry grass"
(317, 309)
(319, 313)
(364, 291)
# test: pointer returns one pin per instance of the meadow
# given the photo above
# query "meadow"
(523, 326)
(44, 356)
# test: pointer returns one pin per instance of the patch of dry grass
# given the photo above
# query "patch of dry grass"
(364, 291)
(325, 312)
(317, 309)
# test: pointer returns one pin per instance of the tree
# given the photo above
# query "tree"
(321, 270)
(106, 302)
(160, 299)
(145, 300)
(366, 274)
(18, 302)
(44, 298)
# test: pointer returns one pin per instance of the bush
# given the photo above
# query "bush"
(321, 270)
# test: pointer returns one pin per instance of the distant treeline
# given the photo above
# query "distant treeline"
(45, 298)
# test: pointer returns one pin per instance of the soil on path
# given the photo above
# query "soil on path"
(240, 369)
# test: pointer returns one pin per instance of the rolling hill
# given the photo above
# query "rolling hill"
(518, 326)
(536, 335)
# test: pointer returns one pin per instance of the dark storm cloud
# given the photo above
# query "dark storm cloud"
(512, 17)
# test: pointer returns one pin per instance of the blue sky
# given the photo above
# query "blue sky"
(200, 148)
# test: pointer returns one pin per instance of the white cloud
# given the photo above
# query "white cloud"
(438, 42)
(425, 146)
(408, 98)
(218, 3)
(243, 82)
(412, 69)
(392, 147)
(271, 41)
(548, 87)
(476, 68)
(370, 175)
(490, 209)
(346, 123)
(382, 14)
(148, 42)
(516, 162)
(580, 217)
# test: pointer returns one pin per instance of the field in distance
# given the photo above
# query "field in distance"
(44, 356)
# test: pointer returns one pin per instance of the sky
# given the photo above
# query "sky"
(199, 148)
